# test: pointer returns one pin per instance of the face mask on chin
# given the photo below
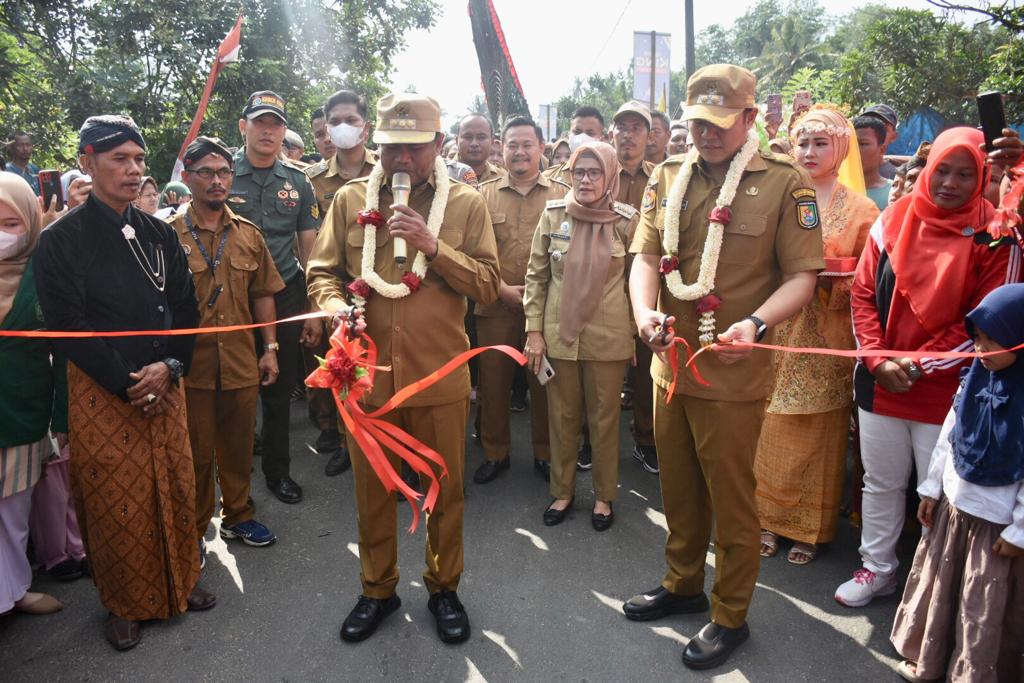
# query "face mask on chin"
(579, 139)
(12, 245)
(345, 136)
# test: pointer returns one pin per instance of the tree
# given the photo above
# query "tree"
(150, 60)
(606, 92)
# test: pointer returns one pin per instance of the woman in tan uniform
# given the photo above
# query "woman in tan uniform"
(580, 247)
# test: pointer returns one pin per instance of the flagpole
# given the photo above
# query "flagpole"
(227, 52)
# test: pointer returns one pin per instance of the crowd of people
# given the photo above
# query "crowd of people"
(607, 256)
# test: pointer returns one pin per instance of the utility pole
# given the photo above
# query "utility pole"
(690, 57)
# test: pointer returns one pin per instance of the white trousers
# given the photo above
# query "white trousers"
(15, 572)
(889, 447)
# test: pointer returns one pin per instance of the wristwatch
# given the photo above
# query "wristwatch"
(760, 327)
(176, 368)
(272, 346)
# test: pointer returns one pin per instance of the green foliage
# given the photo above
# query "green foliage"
(607, 92)
(1007, 76)
(64, 60)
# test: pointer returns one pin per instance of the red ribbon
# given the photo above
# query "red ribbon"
(51, 334)
(349, 381)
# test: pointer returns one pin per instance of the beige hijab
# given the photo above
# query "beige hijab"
(590, 245)
(17, 194)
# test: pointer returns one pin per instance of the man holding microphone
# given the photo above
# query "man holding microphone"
(414, 310)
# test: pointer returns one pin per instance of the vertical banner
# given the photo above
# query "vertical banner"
(651, 68)
(547, 119)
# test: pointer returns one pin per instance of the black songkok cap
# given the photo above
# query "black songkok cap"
(104, 133)
(202, 146)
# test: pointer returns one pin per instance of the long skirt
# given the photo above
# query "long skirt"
(799, 468)
(134, 489)
(15, 572)
(53, 524)
(962, 614)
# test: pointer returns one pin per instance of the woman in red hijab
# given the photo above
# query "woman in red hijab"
(928, 262)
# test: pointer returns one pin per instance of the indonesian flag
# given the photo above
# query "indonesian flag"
(227, 53)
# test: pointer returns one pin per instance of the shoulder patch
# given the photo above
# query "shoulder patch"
(807, 214)
(316, 169)
(624, 210)
(293, 165)
(555, 204)
(804, 193)
(650, 195)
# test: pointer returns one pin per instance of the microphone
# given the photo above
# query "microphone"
(401, 186)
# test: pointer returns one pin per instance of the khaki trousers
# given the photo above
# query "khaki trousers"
(443, 428)
(591, 389)
(706, 455)
(497, 372)
(221, 429)
(642, 425)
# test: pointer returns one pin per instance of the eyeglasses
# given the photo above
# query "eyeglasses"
(592, 173)
(208, 173)
(149, 195)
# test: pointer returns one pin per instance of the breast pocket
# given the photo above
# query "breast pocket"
(241, 268)
(501, 227)
(451, 235)
(745, 240)
(557, 252)
(287, 206)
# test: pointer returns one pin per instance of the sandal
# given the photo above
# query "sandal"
(802, 553)
(908, 672)
(769, 543)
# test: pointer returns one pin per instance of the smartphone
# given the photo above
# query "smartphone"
(774, 105)
(546, 371)
(993, 118)
(49, 186)
(802, 101)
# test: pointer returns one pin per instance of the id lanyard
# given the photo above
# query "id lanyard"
(206, 256)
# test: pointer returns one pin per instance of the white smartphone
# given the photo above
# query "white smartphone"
(546, 371)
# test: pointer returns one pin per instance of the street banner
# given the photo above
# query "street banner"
(651, 72)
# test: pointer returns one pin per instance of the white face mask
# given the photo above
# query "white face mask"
(579, 139)
(345, 136)
(12, 245)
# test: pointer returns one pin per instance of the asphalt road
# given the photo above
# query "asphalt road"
(544, 603)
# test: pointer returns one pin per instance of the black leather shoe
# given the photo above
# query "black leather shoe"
(452, 620)
(553, 516)
(602, 522)
(366, 616)
(490, 470)
(544, 467)
(286, 490)
(660, 603)
(713, 645)
(338, 463)
(68, 570)
(328, 441)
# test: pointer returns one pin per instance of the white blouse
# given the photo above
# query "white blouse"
(996, 504)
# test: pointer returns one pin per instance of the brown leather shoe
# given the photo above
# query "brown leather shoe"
(122, 634)
(201, 600)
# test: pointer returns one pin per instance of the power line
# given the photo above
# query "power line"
(610, 34)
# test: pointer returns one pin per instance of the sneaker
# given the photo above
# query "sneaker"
(647, 456)
(583, 458)
(202, 554)
(865, 586)
(251, 532)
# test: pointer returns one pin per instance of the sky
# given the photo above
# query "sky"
(442, 62)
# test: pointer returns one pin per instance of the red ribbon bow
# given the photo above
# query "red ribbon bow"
(348, 371)
(720, 214)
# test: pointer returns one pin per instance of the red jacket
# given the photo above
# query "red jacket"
(875, 297)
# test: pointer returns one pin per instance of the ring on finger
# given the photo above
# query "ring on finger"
(150, 398)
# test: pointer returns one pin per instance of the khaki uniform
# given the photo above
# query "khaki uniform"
(707, 437)
(415, 336)
(491, 172)
(631, 191)
(559, 172)
(515, 217)
(223, 381)
(588, 372)
(327, 178)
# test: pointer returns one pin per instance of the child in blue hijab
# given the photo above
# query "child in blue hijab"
(962, 614)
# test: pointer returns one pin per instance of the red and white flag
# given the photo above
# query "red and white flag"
(227, 53)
